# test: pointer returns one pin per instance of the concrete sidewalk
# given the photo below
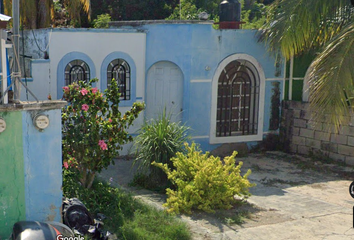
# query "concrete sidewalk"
(294, 203)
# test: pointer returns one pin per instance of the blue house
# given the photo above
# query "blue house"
(218, 82)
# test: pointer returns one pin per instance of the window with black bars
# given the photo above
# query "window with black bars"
(76, 70)
(119, 70)
(237, 102)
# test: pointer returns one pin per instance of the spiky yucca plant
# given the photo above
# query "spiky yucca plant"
(158, 141)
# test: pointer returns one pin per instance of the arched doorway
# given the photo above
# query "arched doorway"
(164, 88)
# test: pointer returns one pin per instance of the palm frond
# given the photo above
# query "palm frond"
(8, 7)
(74, 7)
(332, 79)
(297, 26)
(86, 4)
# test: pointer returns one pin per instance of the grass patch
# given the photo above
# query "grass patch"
(127, 217)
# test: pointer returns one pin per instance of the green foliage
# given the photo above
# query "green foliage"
(142, 9)
(204, 182)
(254, 16)
(127, 217)
(158, 141)
(253, 13)
(188, 11)
(327, 27)
(157, 225)
(93, 128)
(102, 21)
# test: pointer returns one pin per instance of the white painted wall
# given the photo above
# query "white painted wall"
(41, 81)
(97, 45)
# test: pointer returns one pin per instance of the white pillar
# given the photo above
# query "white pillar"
(291, 78)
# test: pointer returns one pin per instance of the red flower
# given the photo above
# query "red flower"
(66, 165)
(83, 91)
(102, 144)
(94, 90)
(85, 107)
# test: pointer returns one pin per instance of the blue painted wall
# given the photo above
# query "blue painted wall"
(197, 49)
(43, 167)
(193, 47)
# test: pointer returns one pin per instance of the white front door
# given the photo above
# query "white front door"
(164, 89)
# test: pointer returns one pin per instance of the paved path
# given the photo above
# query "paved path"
(295, 203)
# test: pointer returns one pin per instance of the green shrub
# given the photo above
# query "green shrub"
(158, 141)
(93, 128)
(204, 182)
(102, 21)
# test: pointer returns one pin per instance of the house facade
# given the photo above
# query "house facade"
(220, 83)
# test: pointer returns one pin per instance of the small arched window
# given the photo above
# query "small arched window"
(237, 102)
(76, 70)
(119, 70)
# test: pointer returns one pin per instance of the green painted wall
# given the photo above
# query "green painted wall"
(297, 90)
(301, 63)
(12, 193)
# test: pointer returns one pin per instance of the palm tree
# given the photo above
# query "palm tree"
(34, 13)
(39, 13)
(74, 8)
(295, 27)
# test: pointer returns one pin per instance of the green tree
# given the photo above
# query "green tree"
(93, 128)
(187, 11)
(40, 13)
(327, 26)
(102, 21)
(78, 9)
(253, 12)
(133, 9)
(34, 13)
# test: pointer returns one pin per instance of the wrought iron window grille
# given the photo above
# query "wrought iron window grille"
(119, 70)
(237, 101)
(76, 70)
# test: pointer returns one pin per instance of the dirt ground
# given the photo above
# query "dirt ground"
(294, 198)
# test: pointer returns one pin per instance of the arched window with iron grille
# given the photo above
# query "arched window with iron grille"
(119, 70)
(237, 101)
(76, 70)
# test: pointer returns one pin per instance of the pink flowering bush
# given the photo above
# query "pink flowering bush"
(93, 128)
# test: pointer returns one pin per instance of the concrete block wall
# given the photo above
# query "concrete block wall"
(30, 165)
(305, 136)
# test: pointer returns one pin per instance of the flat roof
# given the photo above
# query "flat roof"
(146, 22)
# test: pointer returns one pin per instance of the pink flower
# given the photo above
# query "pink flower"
(66, 89)
(83, 91)
(102, 144)
(85, 107)
(94, 90)
(110, 120)
(66, 165)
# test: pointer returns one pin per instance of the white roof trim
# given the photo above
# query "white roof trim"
(4, 17)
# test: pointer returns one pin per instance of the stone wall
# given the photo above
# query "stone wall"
(305, 137)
